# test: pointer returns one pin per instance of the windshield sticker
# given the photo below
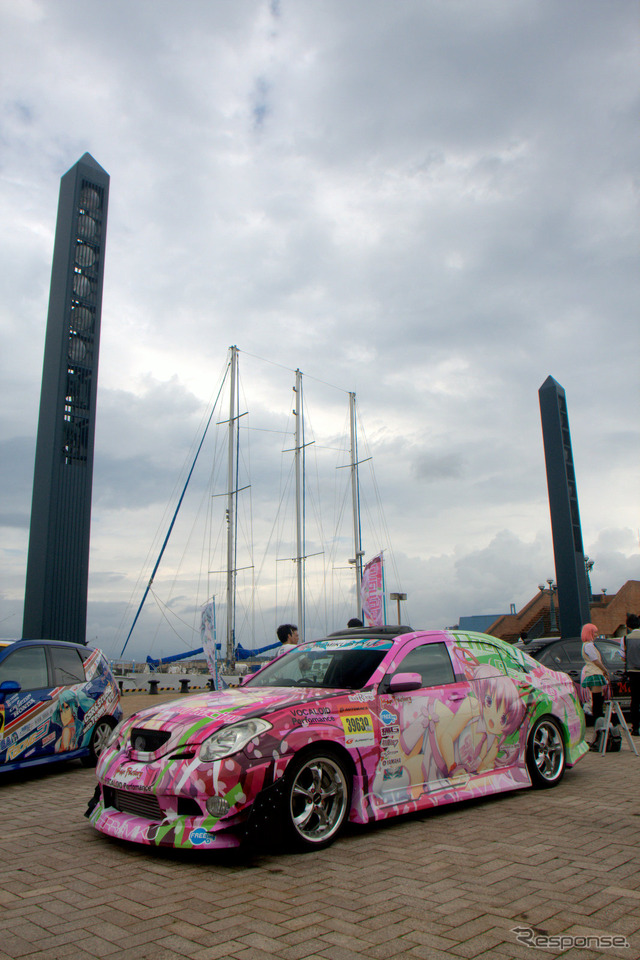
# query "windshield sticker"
(346, 644)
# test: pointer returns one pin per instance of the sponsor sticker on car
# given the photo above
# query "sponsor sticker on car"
(358, 729)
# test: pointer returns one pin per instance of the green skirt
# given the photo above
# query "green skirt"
(594, 680)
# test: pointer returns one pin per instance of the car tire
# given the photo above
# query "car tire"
(99, 736)
(317, 798)
(546, 753)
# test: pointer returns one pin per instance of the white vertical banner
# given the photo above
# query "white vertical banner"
(208, 640)
(372, 592)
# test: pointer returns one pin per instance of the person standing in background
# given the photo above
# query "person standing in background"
(288, 636)
(594, 673)
(631, 654)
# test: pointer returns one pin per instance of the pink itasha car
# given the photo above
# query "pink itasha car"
(349, 728)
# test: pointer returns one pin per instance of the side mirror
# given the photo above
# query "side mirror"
(405, 681)
(7, 688)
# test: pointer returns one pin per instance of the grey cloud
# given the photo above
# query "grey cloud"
(431, 469)
(436, 210)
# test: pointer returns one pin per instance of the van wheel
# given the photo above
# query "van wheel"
(99, 736)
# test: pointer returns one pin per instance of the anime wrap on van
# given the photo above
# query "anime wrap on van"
(57, 723)
(395, 741)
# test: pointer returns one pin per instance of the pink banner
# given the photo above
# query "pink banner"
(372, 593)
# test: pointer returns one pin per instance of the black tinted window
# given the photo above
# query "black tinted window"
(573, 650)
(554, 656)
(611, 654)
(431, 661)
(28, 666)
(67, 666)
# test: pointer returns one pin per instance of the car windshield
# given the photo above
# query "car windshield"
(344, 665)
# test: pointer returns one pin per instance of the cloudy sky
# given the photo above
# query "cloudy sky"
(431, 203)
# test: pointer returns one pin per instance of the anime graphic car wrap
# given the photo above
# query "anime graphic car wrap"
(43, 719)
(339, 730)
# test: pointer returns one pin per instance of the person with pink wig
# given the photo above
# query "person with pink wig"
(594, 675)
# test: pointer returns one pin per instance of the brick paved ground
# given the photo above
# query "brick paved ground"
(450, 883)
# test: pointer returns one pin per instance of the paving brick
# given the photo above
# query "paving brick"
(452, 883)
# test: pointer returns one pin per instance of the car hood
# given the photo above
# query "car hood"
(193, 719)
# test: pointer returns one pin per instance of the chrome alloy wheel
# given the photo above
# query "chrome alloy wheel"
(101, 734)
(319, 798)
(548, 751)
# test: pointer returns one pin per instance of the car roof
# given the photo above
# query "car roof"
(353, 633)
(47, 643)
(539, 643)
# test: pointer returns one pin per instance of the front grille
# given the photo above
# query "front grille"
(148, 741)
(139, 804)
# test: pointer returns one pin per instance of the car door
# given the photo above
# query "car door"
(501, 688)
(69, 696)
(26, 716)
(566, 657)
(420, 728)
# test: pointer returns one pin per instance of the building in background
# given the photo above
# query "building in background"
(536, 618)
(55, 605)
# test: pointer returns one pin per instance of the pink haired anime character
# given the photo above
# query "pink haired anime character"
(441, 744)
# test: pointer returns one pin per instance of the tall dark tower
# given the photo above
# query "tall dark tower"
(571, 574)
(55, 604)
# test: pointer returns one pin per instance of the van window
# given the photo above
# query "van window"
(67, 666)
(28, 666)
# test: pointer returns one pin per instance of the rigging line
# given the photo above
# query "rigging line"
(166, 539)
(283, 433)
(162, 606)
(168, 622)
(251, 544)
(291, 370)
(153, 546)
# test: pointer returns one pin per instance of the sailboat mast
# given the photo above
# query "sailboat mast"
(299, 453)
(355, 495)
(231, 483)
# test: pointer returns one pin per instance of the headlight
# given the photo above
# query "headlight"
(230, 739)
(115, 733)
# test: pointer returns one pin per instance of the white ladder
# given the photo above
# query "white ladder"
(610, 707)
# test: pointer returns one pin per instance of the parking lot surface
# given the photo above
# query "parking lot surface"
(495, 878)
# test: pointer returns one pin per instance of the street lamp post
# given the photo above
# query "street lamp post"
(553, 623)
(588, 565)
(553, 626)
(398, 597)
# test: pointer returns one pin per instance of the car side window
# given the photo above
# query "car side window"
(611, 655)
(553, 656)
(28, 666)
(573, 650)
(431, 661)
(514, 662)
(67, 666)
